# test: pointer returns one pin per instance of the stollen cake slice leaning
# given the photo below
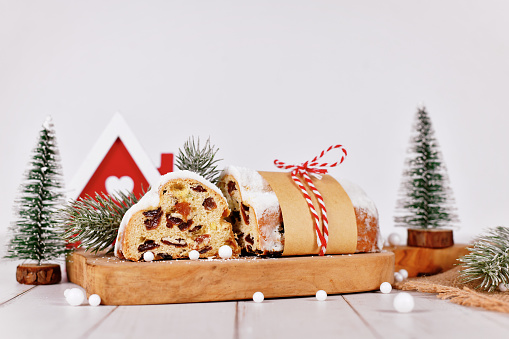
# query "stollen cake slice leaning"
(183, 212)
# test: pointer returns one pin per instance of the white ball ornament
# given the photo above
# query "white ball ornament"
(321, 295)
(394, 239)
(258, 297)
(404, 273)
(398, 277)
(94, 300)
(503, 287)
(194, 255)
(66, 292)
(403, 302)
(225, 252)
(385, 287)
(75, 297)
(148, 256)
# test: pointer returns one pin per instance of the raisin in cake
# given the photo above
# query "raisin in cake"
(183, 212)
(256, 215)
(257, 220)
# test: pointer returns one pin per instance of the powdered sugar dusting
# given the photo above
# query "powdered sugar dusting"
(358, 197)
(257, 193)
(254, 189)
(250, 180)
(151, 199)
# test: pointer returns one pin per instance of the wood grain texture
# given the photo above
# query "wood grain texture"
(420, 261)
(430, 318)
(33, 274)
(430, 238)
(332, 318)
(120, 282)
(9, 287)
(42, 312)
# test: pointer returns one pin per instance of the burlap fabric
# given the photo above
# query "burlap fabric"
(448, 285)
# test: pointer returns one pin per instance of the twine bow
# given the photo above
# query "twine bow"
(317, 170)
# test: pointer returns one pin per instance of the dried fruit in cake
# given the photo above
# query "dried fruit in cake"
(256, 215)
(258, 222)
(183, 212)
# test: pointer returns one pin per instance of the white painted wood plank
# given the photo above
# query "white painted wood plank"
(431, 318)
(43, 312)
(299, 318)
(196, 320)
(9, 287)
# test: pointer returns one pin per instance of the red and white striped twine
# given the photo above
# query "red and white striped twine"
(316, 169)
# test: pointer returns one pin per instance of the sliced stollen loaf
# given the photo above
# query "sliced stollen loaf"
(183, 212)
(258, 222)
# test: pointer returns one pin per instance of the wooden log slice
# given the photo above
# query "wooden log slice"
(430, 238)
(420, 261)
(33, 274)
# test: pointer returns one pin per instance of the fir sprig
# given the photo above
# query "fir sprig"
(488, 260)
(193, 158)
(94, 222)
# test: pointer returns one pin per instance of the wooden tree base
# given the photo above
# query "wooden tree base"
(430, 238)
(32, 274)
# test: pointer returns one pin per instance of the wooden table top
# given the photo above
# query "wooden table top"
(42, 312)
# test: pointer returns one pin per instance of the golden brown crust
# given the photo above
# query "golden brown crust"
(368, 232)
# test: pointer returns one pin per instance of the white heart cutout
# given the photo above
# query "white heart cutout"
(114, 185)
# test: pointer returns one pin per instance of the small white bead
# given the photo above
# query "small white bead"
(404, 273)
(225, 252)
(66, 292)
(385, 287)
(503, 287)
(194, 255)
(258, 297)
(94, 300)
(321, 295)
(148, 256)
(394, 239)
(404, 302)
(398, 277)
(75, 297)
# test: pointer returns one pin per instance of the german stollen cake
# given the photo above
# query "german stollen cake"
(258, 222)
(183, 212)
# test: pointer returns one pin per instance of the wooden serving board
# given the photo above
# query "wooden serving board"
(120, 282)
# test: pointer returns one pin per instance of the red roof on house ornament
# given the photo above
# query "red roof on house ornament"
(117, 162)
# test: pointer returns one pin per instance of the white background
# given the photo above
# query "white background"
(266, 80)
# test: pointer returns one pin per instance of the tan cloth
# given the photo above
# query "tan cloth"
(448, 285)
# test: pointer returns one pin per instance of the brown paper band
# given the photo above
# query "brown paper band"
(300, 236)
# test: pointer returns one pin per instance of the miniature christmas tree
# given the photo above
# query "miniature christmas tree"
(426, 199)
(199, 160)
(35, 235)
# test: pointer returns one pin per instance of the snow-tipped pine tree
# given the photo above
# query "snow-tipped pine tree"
(425, 198)
(35, 233)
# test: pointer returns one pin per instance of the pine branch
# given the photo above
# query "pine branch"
(94, 222)
(199, 160)
(488, 260)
